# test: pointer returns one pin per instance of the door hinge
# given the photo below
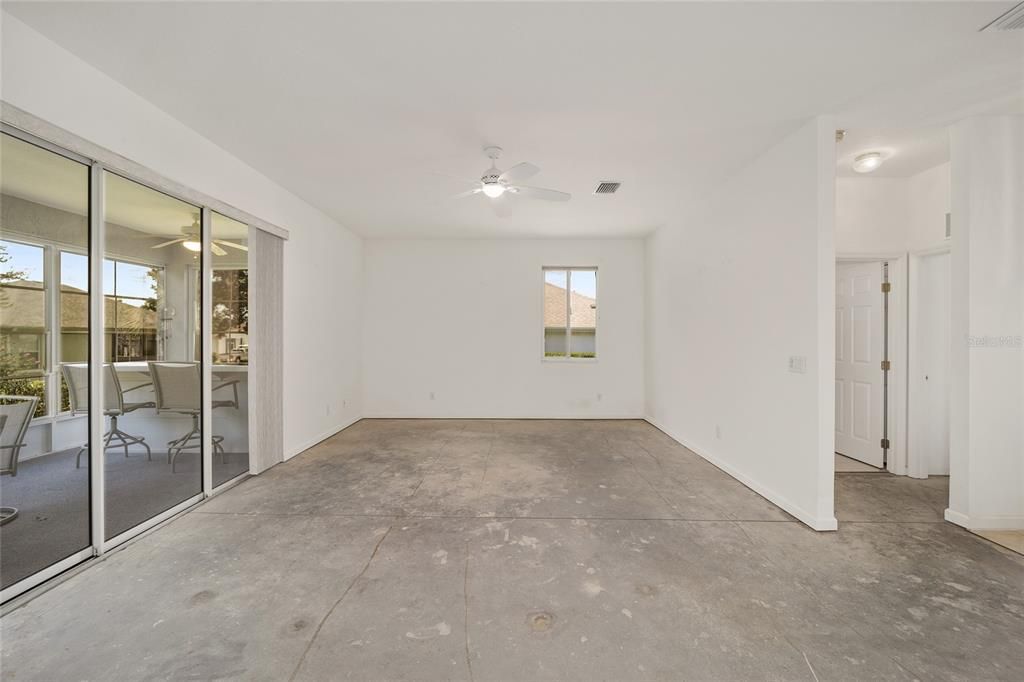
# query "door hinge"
(886, 287)
(885, 443)
(886, 365)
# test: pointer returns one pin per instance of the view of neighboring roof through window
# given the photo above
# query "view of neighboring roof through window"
(570, 313)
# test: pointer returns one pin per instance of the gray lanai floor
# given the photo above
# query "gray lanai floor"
(509, 550)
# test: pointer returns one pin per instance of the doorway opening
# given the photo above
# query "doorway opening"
(892, 324)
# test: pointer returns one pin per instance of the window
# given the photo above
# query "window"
(23, 287)
(570, 312)
(132, 322)
(133, 296)
(230, 316)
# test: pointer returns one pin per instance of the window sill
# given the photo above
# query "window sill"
(582, 361)
(55, 418)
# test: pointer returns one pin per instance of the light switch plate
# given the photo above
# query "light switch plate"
(798, 364)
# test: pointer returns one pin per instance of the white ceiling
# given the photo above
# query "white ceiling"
(906, 152)
(363, 109)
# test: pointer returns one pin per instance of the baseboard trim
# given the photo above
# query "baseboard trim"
(299, 449)
(1010, 522)
(811, 520)
(957, 518)
(320, 439)
(575, 417)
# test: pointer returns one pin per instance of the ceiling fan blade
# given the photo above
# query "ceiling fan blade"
(173, 241)
(233, 245)
(217, 250)
(519, 172)
(467, 193)
(541, 193)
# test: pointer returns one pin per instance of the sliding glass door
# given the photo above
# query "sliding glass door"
(152, 375)
(229, 347)
(44, 370)
(124, 357)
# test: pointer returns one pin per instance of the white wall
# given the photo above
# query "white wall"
(892, 215)
(928, 376)
(464, 319)
(731, 294)
(872, 215)
(928, 198)
(323, 260)
(987, 407)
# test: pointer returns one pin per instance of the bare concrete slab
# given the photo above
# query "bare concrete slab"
(501, 550)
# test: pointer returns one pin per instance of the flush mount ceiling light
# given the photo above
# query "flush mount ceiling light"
(870, 161)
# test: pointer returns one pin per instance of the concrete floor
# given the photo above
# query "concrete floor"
(501, 550)
(52, 499)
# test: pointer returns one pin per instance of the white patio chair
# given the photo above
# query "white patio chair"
(15, 415)
(76, 376)
(178, 389)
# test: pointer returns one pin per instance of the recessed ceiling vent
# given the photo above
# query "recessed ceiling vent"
(1012, 20)
(608, 188)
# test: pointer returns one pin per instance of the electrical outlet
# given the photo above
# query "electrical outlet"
(798, 364)
(431, 395)
(327, 409)
(718, 432)
(344, 404)
(598, 397)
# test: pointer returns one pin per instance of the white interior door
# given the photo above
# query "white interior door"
(930, 403)
(859, 380)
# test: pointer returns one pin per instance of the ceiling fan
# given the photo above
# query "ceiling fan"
(192, 242)
(495, 183)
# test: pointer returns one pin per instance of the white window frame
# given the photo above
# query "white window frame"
(51, 320)
(568, 270)
(161, 331)
(52, 338)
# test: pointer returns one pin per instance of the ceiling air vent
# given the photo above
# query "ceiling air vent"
(1012, 20)
(607, 188)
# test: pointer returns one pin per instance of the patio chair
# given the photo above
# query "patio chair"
(178, 389)
(15, 415)
(76, 376)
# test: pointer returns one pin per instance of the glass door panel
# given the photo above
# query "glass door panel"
(44, 371)
(229, 322)
(152, 376)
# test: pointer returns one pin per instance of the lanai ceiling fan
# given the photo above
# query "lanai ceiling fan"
(494, 183)
(191, 241)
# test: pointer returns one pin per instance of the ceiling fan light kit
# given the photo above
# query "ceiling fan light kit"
(495, 183)
(192, 242)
